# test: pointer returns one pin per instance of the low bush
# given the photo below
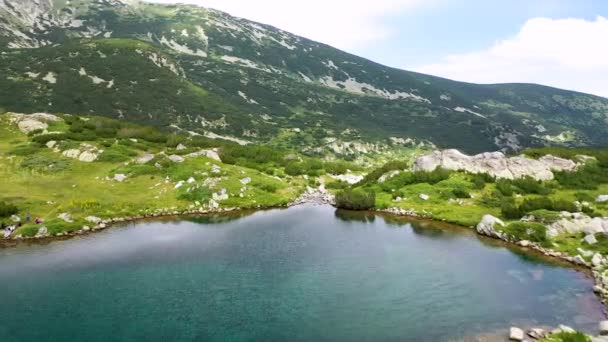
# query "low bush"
(461, 193)
(24, 150)
(374, 175)
(511, 211)
(338, 184)
(7, 209)
(531, 231)
(44, 163)
(356, 199)
(201, 194)
(528, 185)
(504, 187)
(480, 180)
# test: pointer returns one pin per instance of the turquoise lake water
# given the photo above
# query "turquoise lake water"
(308, 273)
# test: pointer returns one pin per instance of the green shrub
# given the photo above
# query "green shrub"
(584, 197)
(480, 180)
(461, 193)
(338, 184)
(531, 231)
(563, 205)
(201, 194)
(587, 177)
(356, 199)
(528, 185)
(24, 150)
(175, 139)
(44, 138)
(374, 175)
(45, 163)
(7, 209)
(510, 211)
(568, 337)
(545, 216)
(505, 187)
(269, 187)
(116, 154)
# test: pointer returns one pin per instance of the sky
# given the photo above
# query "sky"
(561, 43)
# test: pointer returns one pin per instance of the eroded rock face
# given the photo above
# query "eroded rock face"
(495, 164)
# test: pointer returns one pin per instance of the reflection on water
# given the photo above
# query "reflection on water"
(306, 273)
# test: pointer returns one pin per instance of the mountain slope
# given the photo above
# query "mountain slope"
(208, 72)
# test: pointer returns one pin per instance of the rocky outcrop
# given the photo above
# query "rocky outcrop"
(486, 226)
(495, 164)
(577, 223)
(85, 153)
(28, 123)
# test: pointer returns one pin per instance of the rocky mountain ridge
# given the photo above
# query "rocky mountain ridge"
(209, 73)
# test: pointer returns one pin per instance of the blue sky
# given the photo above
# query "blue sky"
(430, 32)
(562, 43)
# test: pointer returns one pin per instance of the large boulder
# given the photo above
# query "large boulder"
(602, 198)
(487, 226)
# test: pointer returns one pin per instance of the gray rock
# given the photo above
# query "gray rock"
(424, 197)
(87, 157)
(66, 217)
(537, 333)
(92, 219)
(119, 177)
(176, 159)
(516, 334)
(590, 239)
(597, 260)
(71, 153)
(15, 218)
(42, 232)
(602, 198)
(181, 147)
(144, 158)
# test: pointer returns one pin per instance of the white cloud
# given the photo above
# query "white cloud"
(346, 24)
(564, 53)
